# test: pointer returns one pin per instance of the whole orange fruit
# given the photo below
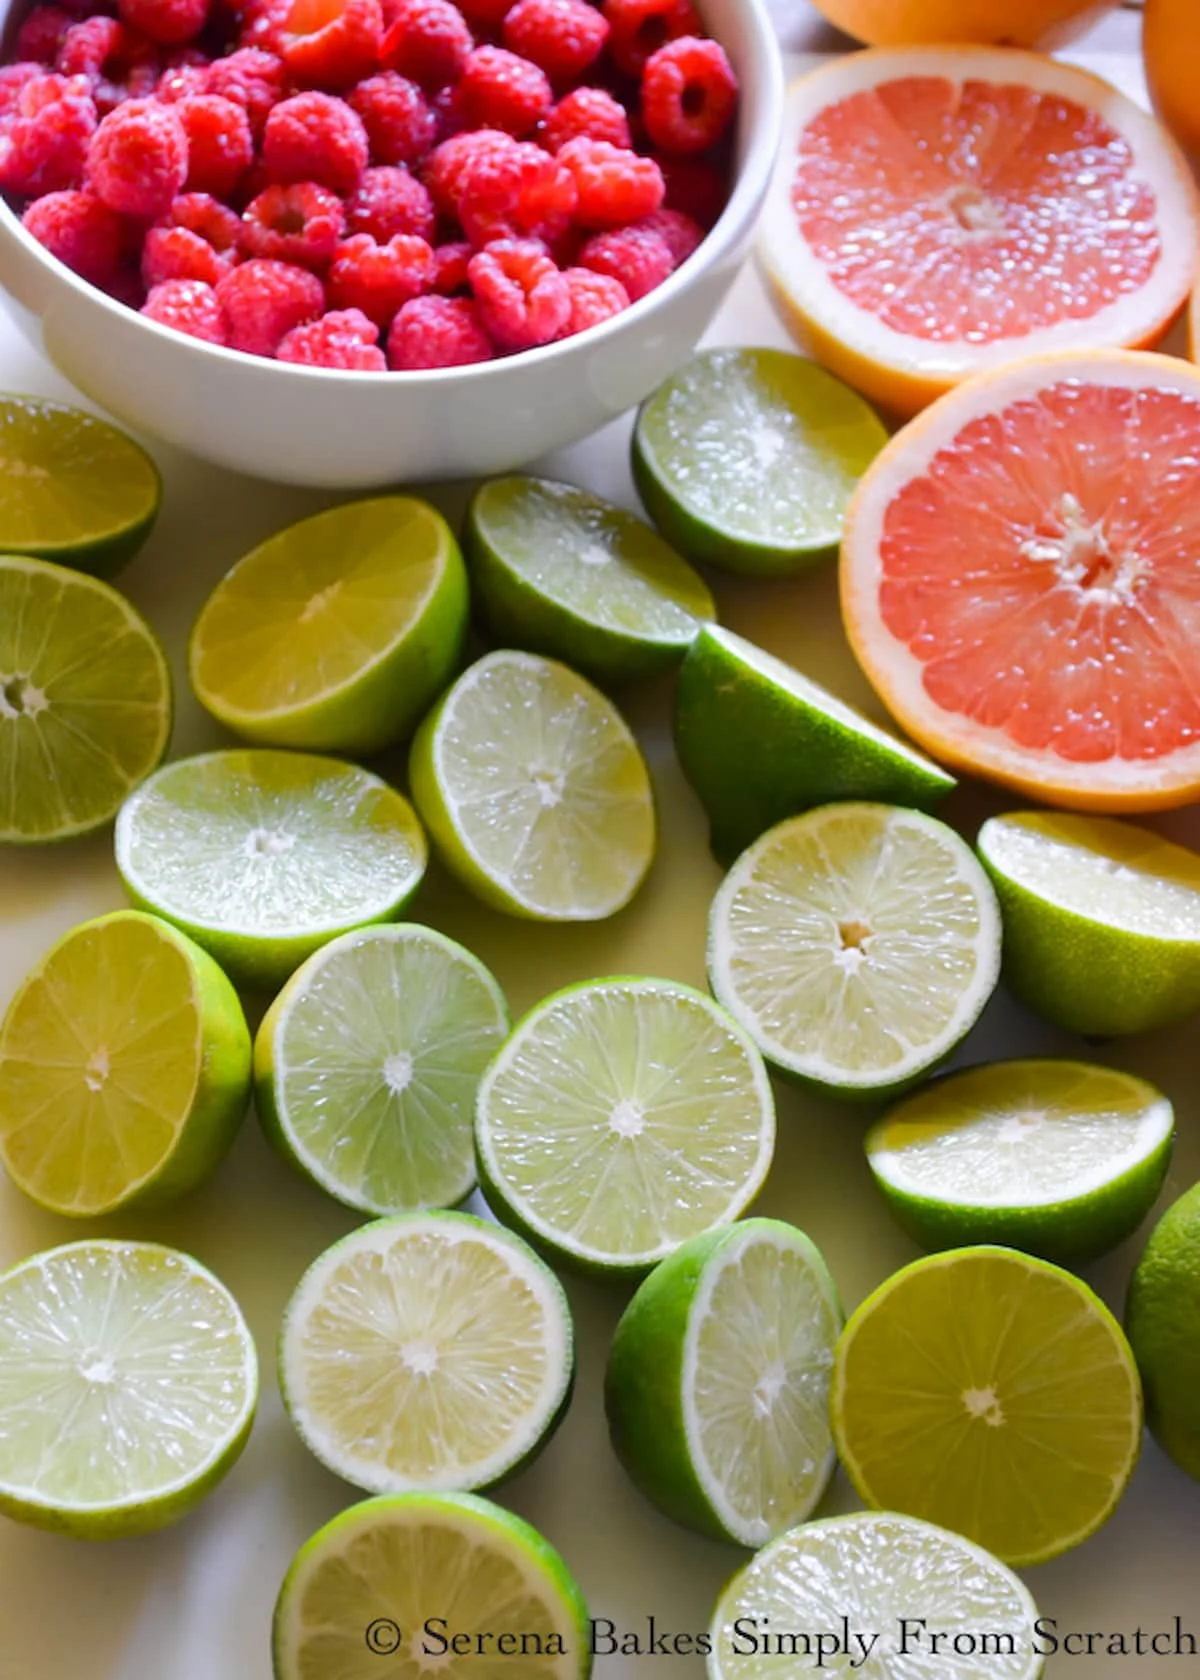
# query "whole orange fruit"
(1018, 23)
(1171, 41)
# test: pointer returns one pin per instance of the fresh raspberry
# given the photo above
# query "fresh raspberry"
(137, 161)
(80, 231)
(640, 27)
(681, 234)
(93, 48)
(594, 298)
(220, 144)
(523, 299)
(14, 77)
(450, 265)
(314, 137)
(485, 15)
(299, 224)
(428, 41)
(343, 339)
(263, 300)
(443, 169)
(587, 114)
(41, 35)
(388, 202)
(175, 253)
(437, 332)
(253, 79)
(695, 187)
(263, 26)
(399, 124)
(613, 186)
(379, 279)
(639, 259)
(215, 223)
(48, 131)
(689, 95)
(190, 306)
(182, 81)
(563, 37)
(332, 43)
(510, 191)
(500, 90)
(169, 22)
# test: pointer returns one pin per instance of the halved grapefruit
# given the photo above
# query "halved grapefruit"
(1021, 579)
(938, 211)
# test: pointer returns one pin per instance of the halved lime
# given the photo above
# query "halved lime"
(877, 1594)
(72, 488)
(1057, 1158)
(534, 791)
(621, 1118)
(338, 633)
(85, 701)
(563, 572)
(758, 742)
(124, 1068)
(856, 944)
(718, 1381)
(262, 857)
(403, 1576)
(747, 459)
(1101, 920)
(1161, 1315)
(367, 1065)
(993, 1394)
(128, 1382)
(431, 1352)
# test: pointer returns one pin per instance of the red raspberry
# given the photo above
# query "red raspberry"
(428, 41)
(689, 95)
(681, 234)
(506, 191)
(437, 332)
(613, 186)
(378, 279)
(137, 161)
(695, 187)
(587, 114)
(443, 168)
(500, 90)
(263, 26)
(388, 202)
(14, 77)
(313, 137)
(253, 79)
(220, 144)
(182, 81)
(264, 300)
(215, 223)
(80, 231)
(640, 27)
(343, 339)
(639, 259)
(298, 224)
(332, 43)
(399, 124)
(48, 132)
(485, 15)
(175, 253)
(450, 265)
(92, 48)
(594, 298)
(563, 37)
(523, 299)
(169, 22)
(41, 35)
(190, 306)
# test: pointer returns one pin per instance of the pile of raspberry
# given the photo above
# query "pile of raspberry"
(369, 184)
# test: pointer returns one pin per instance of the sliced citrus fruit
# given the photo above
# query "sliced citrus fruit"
(1018, 23)
(1161, 1315)
(941, 210)
(1054, 649)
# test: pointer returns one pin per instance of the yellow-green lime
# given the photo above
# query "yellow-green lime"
(1162, 1317)
(563, 572)
(992, 1394)
(73, 488)
(621, 1118)
(124, 1068)
(534, 791)
(128, 1383)
(759, 741)
(1058, 1158)
(850, 1582)
(857, 945)
(430, 1581)
(718, 1381)
(433, 1352)
(85, 701)
(367, 1064)
(747, 459)
(262, 856)
(1101, 920)
(338, 633)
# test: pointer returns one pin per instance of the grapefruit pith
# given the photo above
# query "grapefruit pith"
(1171, 45)
(1021, 579)
(939, 211)
(1017, 23)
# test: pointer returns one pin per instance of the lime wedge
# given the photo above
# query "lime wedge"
(85, 701)
(338, 633)
(992, 1394)
(367, 1065)
(718, 1382)
(72, 488)
(399, 1577)
(124, 1068)
(621, 1118)
(566, 573)
(747, 459)
(1101, 920)
(534, 791)
(432, 1352)
(1057, 1158)
(849, 1581)
(128, 1382)
(262, 857)
(856, 944)
(1161, 1315)
(760, 742)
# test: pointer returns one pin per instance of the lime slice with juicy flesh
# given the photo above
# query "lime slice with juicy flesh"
(1161, 1315)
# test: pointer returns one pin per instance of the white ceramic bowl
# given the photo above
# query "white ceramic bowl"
(353, 430)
